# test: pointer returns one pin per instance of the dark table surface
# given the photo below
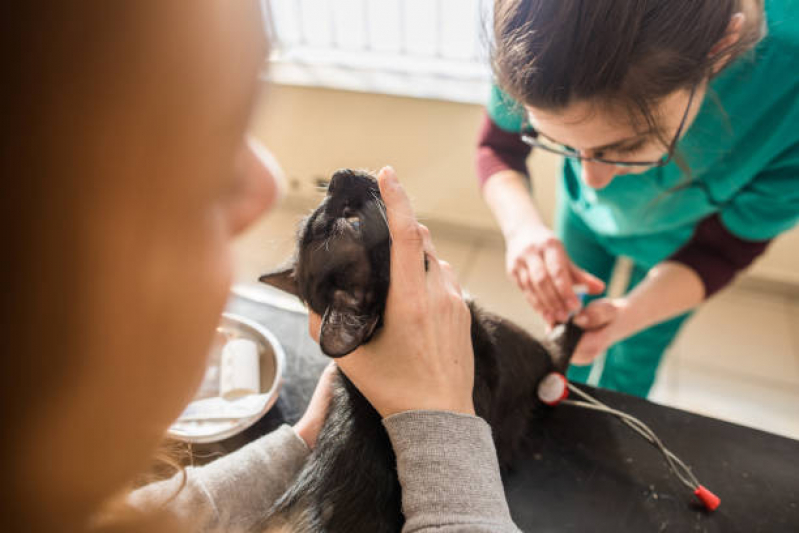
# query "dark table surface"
(585, 471)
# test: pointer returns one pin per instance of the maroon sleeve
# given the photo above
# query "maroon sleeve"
(497, 150)
(717, 255)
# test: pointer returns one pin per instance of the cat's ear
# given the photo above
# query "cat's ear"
(344, 326)
(342, 332)
(282, 279)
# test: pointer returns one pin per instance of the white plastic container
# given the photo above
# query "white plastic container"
(231, 398)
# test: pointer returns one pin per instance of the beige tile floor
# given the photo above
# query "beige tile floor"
(737, 359)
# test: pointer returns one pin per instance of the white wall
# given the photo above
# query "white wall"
(430, 143)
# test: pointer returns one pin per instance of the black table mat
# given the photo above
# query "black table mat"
(585, 471)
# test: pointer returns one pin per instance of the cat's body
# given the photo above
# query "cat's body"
(349, 482)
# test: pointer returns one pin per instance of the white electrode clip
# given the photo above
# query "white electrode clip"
(553, 388)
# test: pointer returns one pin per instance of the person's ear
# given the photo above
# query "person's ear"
(720, 51)
(282, 279)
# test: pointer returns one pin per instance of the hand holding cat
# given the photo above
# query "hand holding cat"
(422, 359)
(668, 290)
(605, 323)
(538, 263)
(311, 422)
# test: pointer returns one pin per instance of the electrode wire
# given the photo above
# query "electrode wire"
(675, 464)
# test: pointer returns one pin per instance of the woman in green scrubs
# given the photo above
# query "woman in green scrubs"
(678, 121)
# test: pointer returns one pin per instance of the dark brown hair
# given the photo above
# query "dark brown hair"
(626, 54)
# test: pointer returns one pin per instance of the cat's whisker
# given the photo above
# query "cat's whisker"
(381, 208)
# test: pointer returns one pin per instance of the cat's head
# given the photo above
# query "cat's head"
(341, 265)
(341, 268)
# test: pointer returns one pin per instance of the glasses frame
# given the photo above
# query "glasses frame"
(530, 137)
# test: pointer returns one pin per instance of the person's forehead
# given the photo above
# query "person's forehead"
(585, 124)
(582, 125)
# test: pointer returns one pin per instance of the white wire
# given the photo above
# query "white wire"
(675, 464)
(643, 430)
(648, 434)
(671, 460)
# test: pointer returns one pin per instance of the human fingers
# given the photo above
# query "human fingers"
(530, 295)
(407, 235)
(452, 292)
(596, 315)
(521, 276)
(592, 283)
(428, 248)
(557, 263)
(427, 239)
(310, 424)
(591, 346)
(433, 273)
(324, 389)
(314, 325)
(545, 288)
(450, 278)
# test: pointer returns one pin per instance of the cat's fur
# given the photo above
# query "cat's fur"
(341, 270)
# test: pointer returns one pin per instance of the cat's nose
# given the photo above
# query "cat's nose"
(339, 180)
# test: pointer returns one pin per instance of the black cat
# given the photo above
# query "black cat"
(341, 271)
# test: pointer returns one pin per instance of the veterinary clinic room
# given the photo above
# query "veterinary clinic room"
(336, 266)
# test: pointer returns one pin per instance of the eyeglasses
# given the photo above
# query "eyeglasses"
(531, 137)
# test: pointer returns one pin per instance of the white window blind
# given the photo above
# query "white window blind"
(420, 48)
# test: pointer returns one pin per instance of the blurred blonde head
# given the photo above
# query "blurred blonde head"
(127, 176)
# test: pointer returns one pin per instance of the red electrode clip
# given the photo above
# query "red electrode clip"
(710, 500)
(553, 388)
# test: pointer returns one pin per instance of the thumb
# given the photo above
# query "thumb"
(314, 325)
(593, 283)
(596, 314)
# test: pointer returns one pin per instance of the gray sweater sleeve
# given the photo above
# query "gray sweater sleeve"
(235, 490)
(449, 473)
(446, 462)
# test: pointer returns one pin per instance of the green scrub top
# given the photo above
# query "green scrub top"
(742, 151)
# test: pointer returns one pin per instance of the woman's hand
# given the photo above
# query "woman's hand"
(423, 356)
(538, 263)
(311, 422)
(668, 290)
(605, 323)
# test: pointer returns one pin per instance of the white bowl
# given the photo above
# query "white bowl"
(209, 418)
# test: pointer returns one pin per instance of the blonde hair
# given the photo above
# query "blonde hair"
(46, 278)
